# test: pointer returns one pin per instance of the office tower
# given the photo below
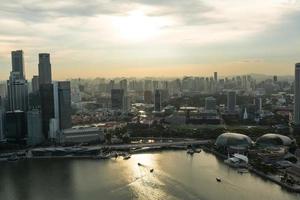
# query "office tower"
(258, 104)
(2, 112)
(297, 95)
(126, 103)
(165, 85)
(117, 99)
(197, 84)
(35, 83)
(245, 83)
(17, 62)
(155, 85)
(15, 126)
(210, 103)
(207, 85)
(123, 85)
(17, 89)
(164, 95)
(34, 101)
(110, 86)
(215, 76)
(47, 106)
(275, 79)
(188, 84)
(45, 76)
(54, 122)
(131, 85)
(157, 100)
(148, 97)
(34, 128)
(148, 85)
(3, 90)
(231, 101)
(62, 104)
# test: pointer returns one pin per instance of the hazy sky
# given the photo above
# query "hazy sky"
(90, 38)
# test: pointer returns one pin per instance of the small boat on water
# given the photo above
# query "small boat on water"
(218, 180)
(151, 170)
(190, 151)
(242, 171)
(126, 157)
(197, 150)
(13, 158)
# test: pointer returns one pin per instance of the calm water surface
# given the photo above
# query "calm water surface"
(176, 176)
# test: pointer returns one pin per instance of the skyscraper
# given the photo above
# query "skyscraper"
(47, 106)
(15, 126)
(231, 101)
(3, 90)
(1, 120)
(17, 62)
(123, 85)
(46, 91)
(297, 95)
(35, 83)
(45, 76)
(117, 99)
(17, 89)
(148, 98)
(157, 100)
(215, 76)
(64, 104)
(210, 103)
(34, 127)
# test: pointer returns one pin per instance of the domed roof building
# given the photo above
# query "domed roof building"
(273, 140)
(233, 140)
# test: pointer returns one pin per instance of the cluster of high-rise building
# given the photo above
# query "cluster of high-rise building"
(37, 116)
(40, 110)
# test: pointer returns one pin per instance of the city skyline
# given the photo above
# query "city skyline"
(151, 38)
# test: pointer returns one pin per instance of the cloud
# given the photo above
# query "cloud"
(85, 29)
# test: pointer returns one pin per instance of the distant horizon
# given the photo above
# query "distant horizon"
(220, 76)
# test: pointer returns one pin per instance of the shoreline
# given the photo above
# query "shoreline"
(121, 151)
(259, 173)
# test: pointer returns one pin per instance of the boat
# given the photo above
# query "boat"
(218, 180)
(139, 164)
(197, 150)
(190, 151)
(126, 157)
(242, 171)
(237, 161)
(151, 170)
(13, 158)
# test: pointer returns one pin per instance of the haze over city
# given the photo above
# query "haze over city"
(149, 99)
(152, 38)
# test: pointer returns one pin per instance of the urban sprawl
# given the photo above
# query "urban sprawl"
(252, 122)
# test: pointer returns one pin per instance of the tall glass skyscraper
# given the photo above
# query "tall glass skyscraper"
(45, 76)
(297, 95)
(17, 90)
(231, 101)
(17, 62)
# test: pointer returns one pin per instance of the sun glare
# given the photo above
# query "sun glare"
(137, 26)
